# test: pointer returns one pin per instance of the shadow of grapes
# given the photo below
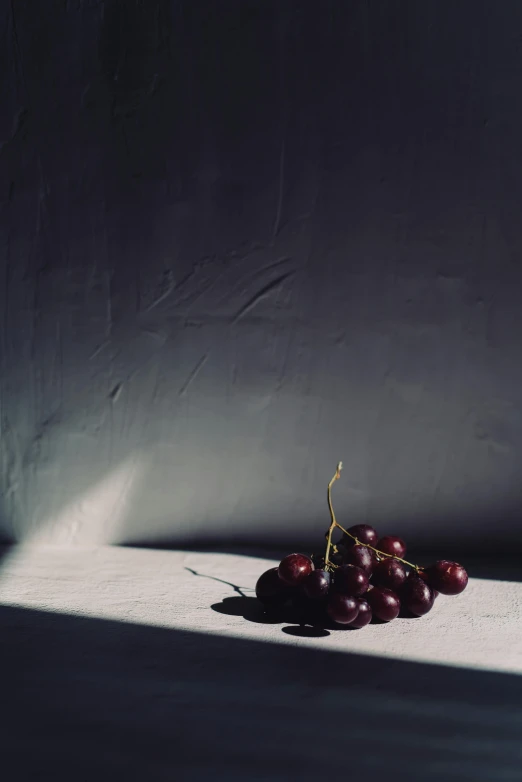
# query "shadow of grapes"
(302, 620)
(251, 609)
(306, 631)
(309, 624)
(248, 607)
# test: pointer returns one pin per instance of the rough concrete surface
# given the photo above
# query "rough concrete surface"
(136, 664)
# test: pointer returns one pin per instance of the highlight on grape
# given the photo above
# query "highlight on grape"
(362, 577)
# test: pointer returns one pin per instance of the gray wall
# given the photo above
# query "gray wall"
(242, 240)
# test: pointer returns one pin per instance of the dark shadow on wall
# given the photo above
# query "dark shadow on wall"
(239, 156)
(218, 293)
(92, 699)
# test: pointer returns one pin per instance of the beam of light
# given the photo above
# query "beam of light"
(479, 629)
(94, 518)
(97, 516)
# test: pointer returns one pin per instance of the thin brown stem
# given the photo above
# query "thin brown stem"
(334, 523)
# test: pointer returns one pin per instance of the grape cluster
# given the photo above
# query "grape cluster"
(359, 579)
(362, 578)
(364, 585)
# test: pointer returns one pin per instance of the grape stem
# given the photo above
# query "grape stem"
(334, 523)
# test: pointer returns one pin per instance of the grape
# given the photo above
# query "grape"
(447, 577)
(417, 596)
(361, 556)
(422, 574)
(384, 603)
(317, 584)
(342, 608)
(389, 573)
(270, 590)
(294, 568)
(364, 617)
(364, 533)
(351, 580)
(392, 545)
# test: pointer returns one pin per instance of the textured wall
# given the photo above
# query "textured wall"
(241, 240)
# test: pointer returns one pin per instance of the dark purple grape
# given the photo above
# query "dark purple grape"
(317, 584)
(422, 574)
(270, 590)
(384, 603)
(448, 578)
(293, 568)
(390, 544)
(364, 533)
(361, 556)
(389, 573)
(364, 617)
(342, 608)
(351, 580)
(417, 596)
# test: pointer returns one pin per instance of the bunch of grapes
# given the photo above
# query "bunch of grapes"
(361, 578)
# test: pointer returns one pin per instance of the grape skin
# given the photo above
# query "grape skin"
(351, 580)
(417, 596)
(364, 533)
(364, 616)
(392, 545)
(361, 556)
(422, 574)
(448, 578)
(316, 585)
(343, 609)
(270, 590)
(384, 603)
(389, 573)
(294, 568)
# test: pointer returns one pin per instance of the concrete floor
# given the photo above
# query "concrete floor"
(140, 664)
